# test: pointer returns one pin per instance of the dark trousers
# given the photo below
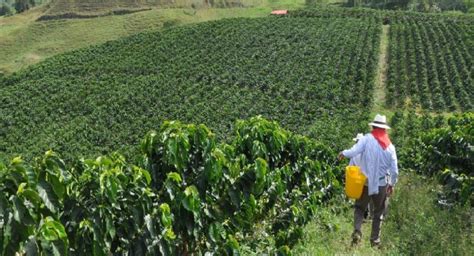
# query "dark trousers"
(380, 204)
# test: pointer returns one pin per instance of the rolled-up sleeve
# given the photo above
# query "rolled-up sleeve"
(393, 167)
(356, 149)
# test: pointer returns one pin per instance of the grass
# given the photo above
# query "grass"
(415, 225)
(24, 42)
(381, 74)
(105, 6)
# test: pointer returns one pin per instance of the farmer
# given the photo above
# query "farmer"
(378, 161)
(355, 161)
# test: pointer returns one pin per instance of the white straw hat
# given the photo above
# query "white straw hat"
(358, 137)
(380, 121)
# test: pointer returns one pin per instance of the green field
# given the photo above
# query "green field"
(89, 7)
(431, 64)
(100, 99)
(24, 41)
(119, 177)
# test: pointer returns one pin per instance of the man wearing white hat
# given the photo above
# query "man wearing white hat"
(378, 161)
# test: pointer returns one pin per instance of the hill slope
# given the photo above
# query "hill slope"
(25, 41)
(104, 6)
(297, 71)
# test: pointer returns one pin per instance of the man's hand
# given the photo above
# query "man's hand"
(389, 190)
(340, 156)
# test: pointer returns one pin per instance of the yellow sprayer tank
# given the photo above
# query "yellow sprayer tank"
(355, 180)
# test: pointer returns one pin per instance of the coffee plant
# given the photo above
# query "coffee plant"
(430, 63)
(293, 70)
(189, 194)
(440, 147)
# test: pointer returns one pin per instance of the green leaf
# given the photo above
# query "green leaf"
(284, 251)
(112, 188)
(259, 149)
(52, 230)
(178, 149)
(56, 166)
(232, 245)
(20, 213)
(31, 176)
(213, 166)
(109, 185)
(19, 172)
(216, 232)
(144, 173)
(260, 175)
(191, 200)
(21, 187)
(58, 187)
(148, 143)
(85, 224)
(32, 196)
(165, 208)
(172, 184)
(234, 195)
(166, 217)
(14, 233)
(49, 197)
(110, 227)
(174, 176)
(16, 161)
(169, 234)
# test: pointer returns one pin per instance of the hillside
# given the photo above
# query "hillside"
(120, 177)
(106, 97)
(25, 41)
(89, 7)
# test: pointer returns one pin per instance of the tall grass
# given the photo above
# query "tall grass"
(418, 225)
(415, 225)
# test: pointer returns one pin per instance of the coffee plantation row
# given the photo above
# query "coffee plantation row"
(430, 57)
(312, 72)
(431, 64)
(182, 192)
(440, 147)
(305, 73)
(188, 195)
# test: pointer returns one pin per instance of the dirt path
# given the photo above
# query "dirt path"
(381, 73)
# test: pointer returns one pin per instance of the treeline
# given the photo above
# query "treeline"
(415, 5)
(10, 7)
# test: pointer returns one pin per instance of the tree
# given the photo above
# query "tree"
(6, 9)
(23, 5)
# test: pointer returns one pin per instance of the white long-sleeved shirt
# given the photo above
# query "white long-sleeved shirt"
(376, 163)
(356, 160)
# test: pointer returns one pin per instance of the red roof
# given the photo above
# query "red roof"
(280, 12)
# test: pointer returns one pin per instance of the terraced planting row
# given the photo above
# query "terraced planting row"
(430, 63)
(305, 73)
